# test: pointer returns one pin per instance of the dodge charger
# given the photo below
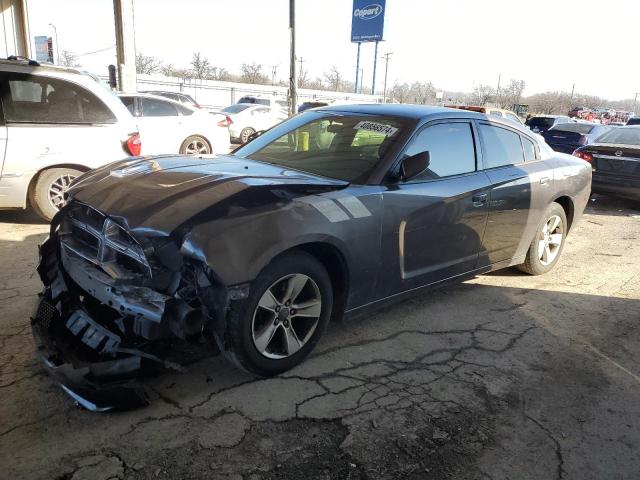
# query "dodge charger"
(328, 215)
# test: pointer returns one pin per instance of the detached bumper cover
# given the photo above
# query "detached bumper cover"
(98, 386)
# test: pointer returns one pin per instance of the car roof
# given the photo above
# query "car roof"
(154, 97)
(32, 64)
(415, 112)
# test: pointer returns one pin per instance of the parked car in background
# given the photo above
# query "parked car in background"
(247, 119)
(266, 101)
(492, 112)
(633, 121)
(578, 112)
(177, 96)
(542, 123)
(566, 137)
(55, 124)
(330, 214)
(615, 159)
(172, 127)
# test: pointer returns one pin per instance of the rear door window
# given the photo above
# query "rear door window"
(36, 99)
(451, 150)
(157, 108)
(502, 146)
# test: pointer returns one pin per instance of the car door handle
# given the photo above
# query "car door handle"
(479, 200)
(544, 180)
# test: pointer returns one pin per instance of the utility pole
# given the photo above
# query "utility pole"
(301, 60)
(375, 63)
(125, 45)
(498, 91)
(386, 71)
(273, 74)
(573, 89)
(635, 100)
(55, 31)
(293, 84)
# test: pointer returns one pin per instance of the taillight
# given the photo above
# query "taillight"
(583, 155)
(226, 122)
(134, 144)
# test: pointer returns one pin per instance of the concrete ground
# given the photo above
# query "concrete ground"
(506, 376)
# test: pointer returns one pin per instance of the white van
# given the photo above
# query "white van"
(55, 124)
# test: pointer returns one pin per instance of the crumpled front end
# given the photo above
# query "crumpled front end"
(116, 307)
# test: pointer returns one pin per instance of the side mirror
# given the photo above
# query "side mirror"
(414, 165)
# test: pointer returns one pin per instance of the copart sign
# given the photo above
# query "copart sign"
(367, 24)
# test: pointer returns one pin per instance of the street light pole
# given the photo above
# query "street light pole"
(293, 84)
(55, 31)
(386, 71)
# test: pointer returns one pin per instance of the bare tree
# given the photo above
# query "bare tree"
(333, 78)
(422, 92)
(511, 94)
(68, 59)
(482, 94)
(252, 73)
(399, 92)
(146, 64)
(200, 66)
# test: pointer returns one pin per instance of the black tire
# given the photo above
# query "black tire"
(534, 264)
(245, 134)
(239, 345)
(42, 200)
(196, 145)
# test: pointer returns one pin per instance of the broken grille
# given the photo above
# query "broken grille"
(92, 235)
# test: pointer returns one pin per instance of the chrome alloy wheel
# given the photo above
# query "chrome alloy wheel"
(549, 245)
(197, 147)
(286, 316)
(57, 190)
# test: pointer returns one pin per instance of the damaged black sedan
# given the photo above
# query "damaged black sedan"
(329, 214)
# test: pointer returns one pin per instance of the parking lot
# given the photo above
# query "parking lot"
(502, 377)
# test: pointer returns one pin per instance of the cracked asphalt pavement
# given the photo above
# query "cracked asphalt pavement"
(505, 376)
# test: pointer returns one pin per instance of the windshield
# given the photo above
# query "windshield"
(237, 108)
(621, 136)
(541, 122)
(335, 145)
(582, 128)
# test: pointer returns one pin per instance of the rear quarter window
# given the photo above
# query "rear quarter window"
(35, 99)
(501, 146)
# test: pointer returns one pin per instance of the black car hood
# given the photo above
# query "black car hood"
(158, 194)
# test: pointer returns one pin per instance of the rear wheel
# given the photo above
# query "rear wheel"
(245, 134)
(548, 243)
(195, 145)
(47, 196)
(283, 318)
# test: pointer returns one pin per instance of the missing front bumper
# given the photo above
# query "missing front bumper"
(99, 386)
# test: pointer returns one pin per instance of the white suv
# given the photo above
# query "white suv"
(55, 124)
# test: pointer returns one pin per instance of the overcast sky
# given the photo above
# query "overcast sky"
(455, 44)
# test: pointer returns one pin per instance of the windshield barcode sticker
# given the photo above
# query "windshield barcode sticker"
(386, 130)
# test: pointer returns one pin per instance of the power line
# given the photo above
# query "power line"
(96, 51)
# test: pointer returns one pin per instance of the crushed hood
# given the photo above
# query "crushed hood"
(157, 194)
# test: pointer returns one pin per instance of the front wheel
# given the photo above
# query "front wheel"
(548, 243)
(281, 321)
